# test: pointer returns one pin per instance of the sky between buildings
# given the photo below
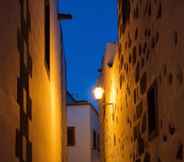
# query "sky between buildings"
(94, 24)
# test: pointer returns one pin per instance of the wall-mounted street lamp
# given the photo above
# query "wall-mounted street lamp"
(98, 93)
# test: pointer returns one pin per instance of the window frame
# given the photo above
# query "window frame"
(71, 141)
(94, 139)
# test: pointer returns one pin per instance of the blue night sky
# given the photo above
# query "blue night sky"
(93, 25)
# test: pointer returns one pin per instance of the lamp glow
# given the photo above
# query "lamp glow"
(98, 93)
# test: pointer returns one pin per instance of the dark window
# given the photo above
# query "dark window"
(152, 110)
(98, 142)
(126, 13)
(47, 34)
(71, 136)
(94, 139)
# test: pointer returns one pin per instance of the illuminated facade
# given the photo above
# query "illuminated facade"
(83, 131)
(144, 82)
(32, 83)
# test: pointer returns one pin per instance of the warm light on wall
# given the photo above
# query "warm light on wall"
(98, 93)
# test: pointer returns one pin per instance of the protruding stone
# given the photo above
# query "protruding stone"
(147, 157)
(135, 133)
(165, 138)
(138, 160)
(170, 78)
(172, 129)
(179, 154)
(165, 70)
(159, 13)
(140, 145)
(175, 39)
(135, 96)
(149, 10)
(134, 55)
(179, 75)
(143, 83)
(144, 123)
(137, 72)
(145, 47)
(142, 62)
(140, 50)
(139, 110)
(136, 34)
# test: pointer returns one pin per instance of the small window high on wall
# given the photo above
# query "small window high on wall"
(47, 35)
(152, 99)
(94, 139)
(71, 136)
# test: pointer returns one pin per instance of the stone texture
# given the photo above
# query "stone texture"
(32, 111)
(151, 41)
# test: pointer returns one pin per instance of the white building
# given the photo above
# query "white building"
(83, 131)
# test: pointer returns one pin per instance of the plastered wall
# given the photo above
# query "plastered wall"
(32, 111)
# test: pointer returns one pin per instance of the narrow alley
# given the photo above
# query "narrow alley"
(91, 81)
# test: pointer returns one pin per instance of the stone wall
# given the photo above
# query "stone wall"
(145, 84)
(32, 90)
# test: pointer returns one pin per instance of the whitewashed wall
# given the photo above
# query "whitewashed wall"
(84, 119)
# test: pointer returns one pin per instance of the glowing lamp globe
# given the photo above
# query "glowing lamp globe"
(98, 93)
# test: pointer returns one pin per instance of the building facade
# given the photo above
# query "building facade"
(145, 84)
(32, 83)
(83, 131)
